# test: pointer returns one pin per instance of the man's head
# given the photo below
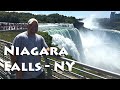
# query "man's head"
(32, 26)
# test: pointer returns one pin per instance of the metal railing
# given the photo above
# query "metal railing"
(79, 70)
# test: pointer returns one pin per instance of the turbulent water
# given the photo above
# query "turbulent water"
(96, 47)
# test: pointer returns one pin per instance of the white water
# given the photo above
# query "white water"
(69, 45)
(101, 46)
(100, 51)
(63, 37)
(47, 25)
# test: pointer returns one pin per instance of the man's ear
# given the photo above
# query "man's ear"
(28, 26)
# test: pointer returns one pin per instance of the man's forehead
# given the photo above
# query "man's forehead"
(32, 20)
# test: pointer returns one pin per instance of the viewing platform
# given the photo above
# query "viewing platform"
(6, 26)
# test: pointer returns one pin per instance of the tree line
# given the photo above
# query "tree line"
(15, 17)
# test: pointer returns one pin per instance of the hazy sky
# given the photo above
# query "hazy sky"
(77, 14)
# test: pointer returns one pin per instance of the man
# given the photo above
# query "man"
(29, 39)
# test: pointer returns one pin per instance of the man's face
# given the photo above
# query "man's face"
(33, 28)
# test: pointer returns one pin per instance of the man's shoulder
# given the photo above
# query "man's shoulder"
(39, 36)
(20, 35)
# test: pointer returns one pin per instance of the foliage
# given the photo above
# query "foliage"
(47, 38)
(15, 17)
(70, 57)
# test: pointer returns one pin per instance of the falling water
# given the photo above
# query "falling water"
(69, 38)
(101, 47)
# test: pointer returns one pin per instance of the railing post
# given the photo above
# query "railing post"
(49, 71)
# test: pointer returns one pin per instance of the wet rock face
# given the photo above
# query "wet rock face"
(78, 24)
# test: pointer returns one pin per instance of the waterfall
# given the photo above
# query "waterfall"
(96, 47)
(69, 38)
(101, 46)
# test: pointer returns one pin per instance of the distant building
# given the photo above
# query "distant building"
(114, 16)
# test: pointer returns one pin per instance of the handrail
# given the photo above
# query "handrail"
(92, 67)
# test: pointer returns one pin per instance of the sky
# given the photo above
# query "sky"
(77, 14)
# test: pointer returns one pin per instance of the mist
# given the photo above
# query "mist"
(101, 47)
